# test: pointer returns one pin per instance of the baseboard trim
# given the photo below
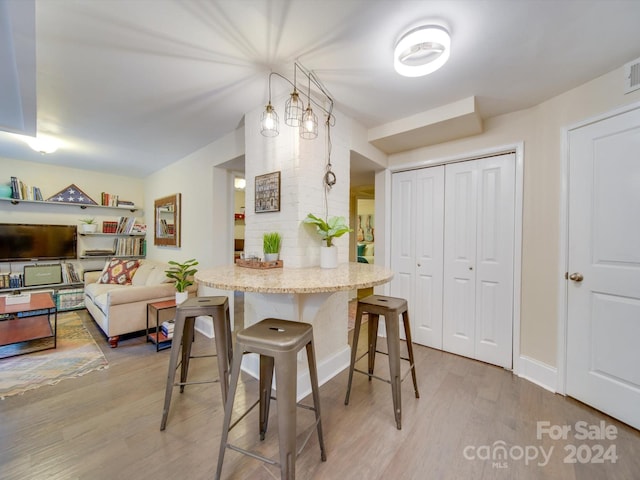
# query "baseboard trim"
(538, 372)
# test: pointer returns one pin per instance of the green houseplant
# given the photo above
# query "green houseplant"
(332, 228)
(328, 230)
(183, 274)
(89, 225)
(271, 245)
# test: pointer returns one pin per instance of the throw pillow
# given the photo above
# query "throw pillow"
(119, 271)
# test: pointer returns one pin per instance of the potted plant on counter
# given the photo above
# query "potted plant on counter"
(89, 225)
(271, 246)
(332, 228)
(183, 274)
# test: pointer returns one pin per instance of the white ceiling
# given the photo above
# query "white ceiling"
(130, 86)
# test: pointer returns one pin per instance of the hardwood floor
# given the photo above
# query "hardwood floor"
(106, 425)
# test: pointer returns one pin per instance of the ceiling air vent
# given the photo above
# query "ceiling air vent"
(632, 76)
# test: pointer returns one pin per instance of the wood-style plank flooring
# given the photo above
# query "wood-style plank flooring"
(105, 425)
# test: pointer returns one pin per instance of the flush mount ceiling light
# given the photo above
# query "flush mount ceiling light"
(43, 144)
(422, 51)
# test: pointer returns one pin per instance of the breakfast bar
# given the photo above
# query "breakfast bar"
(314, 295)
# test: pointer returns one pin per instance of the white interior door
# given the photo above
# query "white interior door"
(603, 328)
(478, 259)
(417, 239)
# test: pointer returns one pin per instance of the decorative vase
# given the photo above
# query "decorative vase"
(181, 297)
(271, 257)
(5, 191)
(329, 257)
(89, 227)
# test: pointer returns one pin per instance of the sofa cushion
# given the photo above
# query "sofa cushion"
(119, 271)
(143, 272)
(158, 275)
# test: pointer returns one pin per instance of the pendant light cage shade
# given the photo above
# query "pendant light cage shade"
(293, 110)
(269, 126)
(309, 126)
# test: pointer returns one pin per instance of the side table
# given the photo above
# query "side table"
(23, 322)
(166, 309)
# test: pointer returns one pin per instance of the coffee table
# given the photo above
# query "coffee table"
(23, 322)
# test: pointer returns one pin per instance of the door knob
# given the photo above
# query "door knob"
(576, 277)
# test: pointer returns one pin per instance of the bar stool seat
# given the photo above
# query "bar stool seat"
(391, 308)
(216, 307)
(278, 343)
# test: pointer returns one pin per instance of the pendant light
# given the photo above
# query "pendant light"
(294, 107)
(309, 126)
(269, 121)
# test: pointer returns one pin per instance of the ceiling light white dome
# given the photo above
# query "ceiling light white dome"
(421, 51)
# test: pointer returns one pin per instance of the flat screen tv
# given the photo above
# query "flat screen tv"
(22, 242)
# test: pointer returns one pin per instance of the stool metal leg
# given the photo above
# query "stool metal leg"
(315, 390)
(286, 387)
(222, 350)
(228, 408)
(187, 343)
(407, 333)
(374, 320)
(173, 363)
(266, 379)
(393, 345)
(354, 348)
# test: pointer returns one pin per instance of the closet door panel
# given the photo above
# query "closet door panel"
(427, 325)
(459, 258)
(402, 236)
(495, 249)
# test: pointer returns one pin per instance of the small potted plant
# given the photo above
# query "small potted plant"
(183, 274)
(89, 225)
(271, 246)
(329, 229)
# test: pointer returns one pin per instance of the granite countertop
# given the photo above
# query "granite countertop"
(348, 276)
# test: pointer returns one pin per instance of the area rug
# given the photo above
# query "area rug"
(76, 354)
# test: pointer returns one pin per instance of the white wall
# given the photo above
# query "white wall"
(207, 202)
(541, 129)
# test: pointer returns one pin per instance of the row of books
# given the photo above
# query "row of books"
(111, 200)
(119, 226)
(126, 225)
(130, 246)
(22, 191)
(167, 328)
(11, 280)
(164, 228)
(69, 274)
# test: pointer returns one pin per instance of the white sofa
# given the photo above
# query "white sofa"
(120, 309)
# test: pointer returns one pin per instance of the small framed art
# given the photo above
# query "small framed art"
(268, 193)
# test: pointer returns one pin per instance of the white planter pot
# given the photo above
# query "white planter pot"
(89, 228)
(181, 297)
(271, 257)
(329, 257)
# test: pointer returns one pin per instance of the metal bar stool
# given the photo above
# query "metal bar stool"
(278, 343)
(186, 313)
(391, 308)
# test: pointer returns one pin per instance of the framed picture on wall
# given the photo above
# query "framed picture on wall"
(268, 193)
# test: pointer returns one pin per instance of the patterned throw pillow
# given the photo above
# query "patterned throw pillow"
(119, 271)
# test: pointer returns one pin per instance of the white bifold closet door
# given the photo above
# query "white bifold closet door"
(452, 246)
(417, 247)
(478, 259)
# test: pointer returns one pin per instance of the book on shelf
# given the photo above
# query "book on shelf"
(167, 328)
(69, 273)
(22, 191)
(109, 226)
(129, 246)
(108, 199)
